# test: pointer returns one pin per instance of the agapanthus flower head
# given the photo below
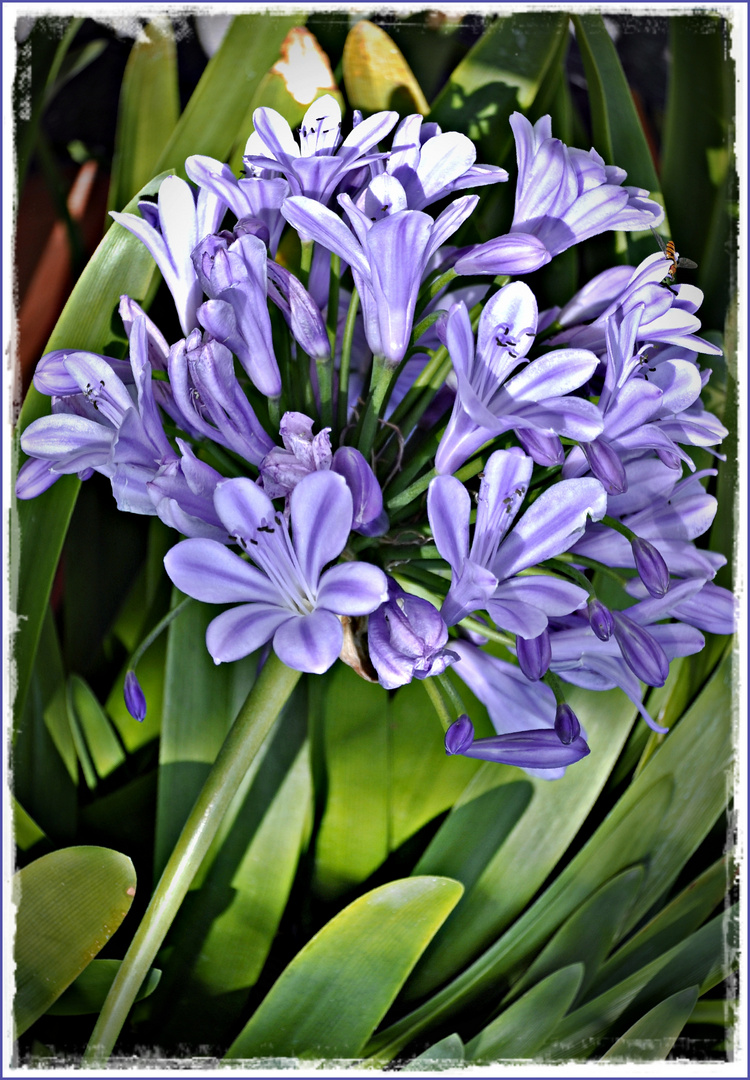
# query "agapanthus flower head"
(286, 597)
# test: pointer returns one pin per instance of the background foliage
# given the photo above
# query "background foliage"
(367, 897)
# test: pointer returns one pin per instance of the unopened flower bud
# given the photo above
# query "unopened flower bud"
(459, 736)
(135, 699)
(534, 655)
(567, 725)
(652, 570)
(600, 619)
(640, 651)
(606, 466)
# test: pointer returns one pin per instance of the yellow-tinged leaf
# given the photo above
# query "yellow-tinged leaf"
(376, 75)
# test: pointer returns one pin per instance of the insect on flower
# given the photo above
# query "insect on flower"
(674, 259)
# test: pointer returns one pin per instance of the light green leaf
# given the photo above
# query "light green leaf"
(148, 111)
(588, 935)
(201, 700)
(70, 902)
(98, 733)
(653, 1036)
(445, 1054)
(522, 1028)
(336, 991)
(88, 992)
(26, 832)
(376, 75)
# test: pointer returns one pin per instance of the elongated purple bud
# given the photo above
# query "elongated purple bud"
(642, 653)
(369, 517)
(567, 725)
(606, 466)
(545, 450)
(600, 619)
(536, 749)
(459, 736)
(514, 253)
(135, 699)
(300, 311)
(652, 570)
(534, 655)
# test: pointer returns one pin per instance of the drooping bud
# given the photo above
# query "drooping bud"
(459, 736)
(600, 619)
(567, 725)
(135, 699)
(652, 570)
(606, 466)
(640, 651)
(534, 655)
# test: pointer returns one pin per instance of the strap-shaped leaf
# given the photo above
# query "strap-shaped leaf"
(376, 75)
(653, 1036)
(446, 1054)
(70, 902)
(336, 991)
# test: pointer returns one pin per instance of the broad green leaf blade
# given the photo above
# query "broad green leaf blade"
(446, 1054)
(501, 73)
(337, 989)
(120, 264)
(148, 111)
(667, 928)
(212, 118)
(653, 1036)
(88, 992)
(526, 1025)
(101, 741)
(588, 935)
(201, 700)
(376, 75)
(512, 877)
(26, 832)
(617, 132)
(351, 718)
(70, 902)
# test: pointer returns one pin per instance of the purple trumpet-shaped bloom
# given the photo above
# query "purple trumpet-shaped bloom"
(286, 597)
(235, 278)
(406, 639)
(491, 400)
(431, 164)
(135, 699)
(255, 197)
(208, 395)
(534, 655)
(317, 165)
(567, 724)
(388, 283)
(652, 570)
(565, 195)
(523, 715)
(170, 229)
(487, 575)
(106, 426)
(600, 619)
(183, 496)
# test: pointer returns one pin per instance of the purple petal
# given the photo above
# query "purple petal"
(241, 630)
(540, 749)
(309, 642)
(448, 509)
(206, 570)
(352, 588)
(514, 253)
(321, 511)
(242, 506)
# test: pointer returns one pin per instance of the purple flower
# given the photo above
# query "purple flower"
(652, 570)
(135, 699)
(459, 735)
(254, 197)
(512, 253)
(171, 229)
(286, 597)
(564, 195)
(300, 311)
(406, 639)
(183, 496)
(317, 165)
(567, 725)
(600, 619)
(489, 401)
(487, 575)
(388, 283)
(534, 655)
(370, 518)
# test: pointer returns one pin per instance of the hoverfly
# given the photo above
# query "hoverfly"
(674, 259)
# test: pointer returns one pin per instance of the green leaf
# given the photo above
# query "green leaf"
(201, 700)
(525, 1026)
(617, 132)
(26, 832)
(148, 111)
(376, 75)
(653, 1036)
(445, 1054)
(101, 741)
(336, 991)
(350, 719)
(589, 934)
(501, 73)
(213, 117)
(70, 902)
(88, 992)
(511, 877)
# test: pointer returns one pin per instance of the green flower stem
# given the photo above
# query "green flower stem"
(324, 371)
(254, 721)
(592, 564)
(478, 627)
(619, 527)
(431, 288)
(442, 708)
(556, 686)
(274, 413)
(332, 311)
(346, 357)
(380, 380)
(160, 627)
(560, 566)
(305, 260)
